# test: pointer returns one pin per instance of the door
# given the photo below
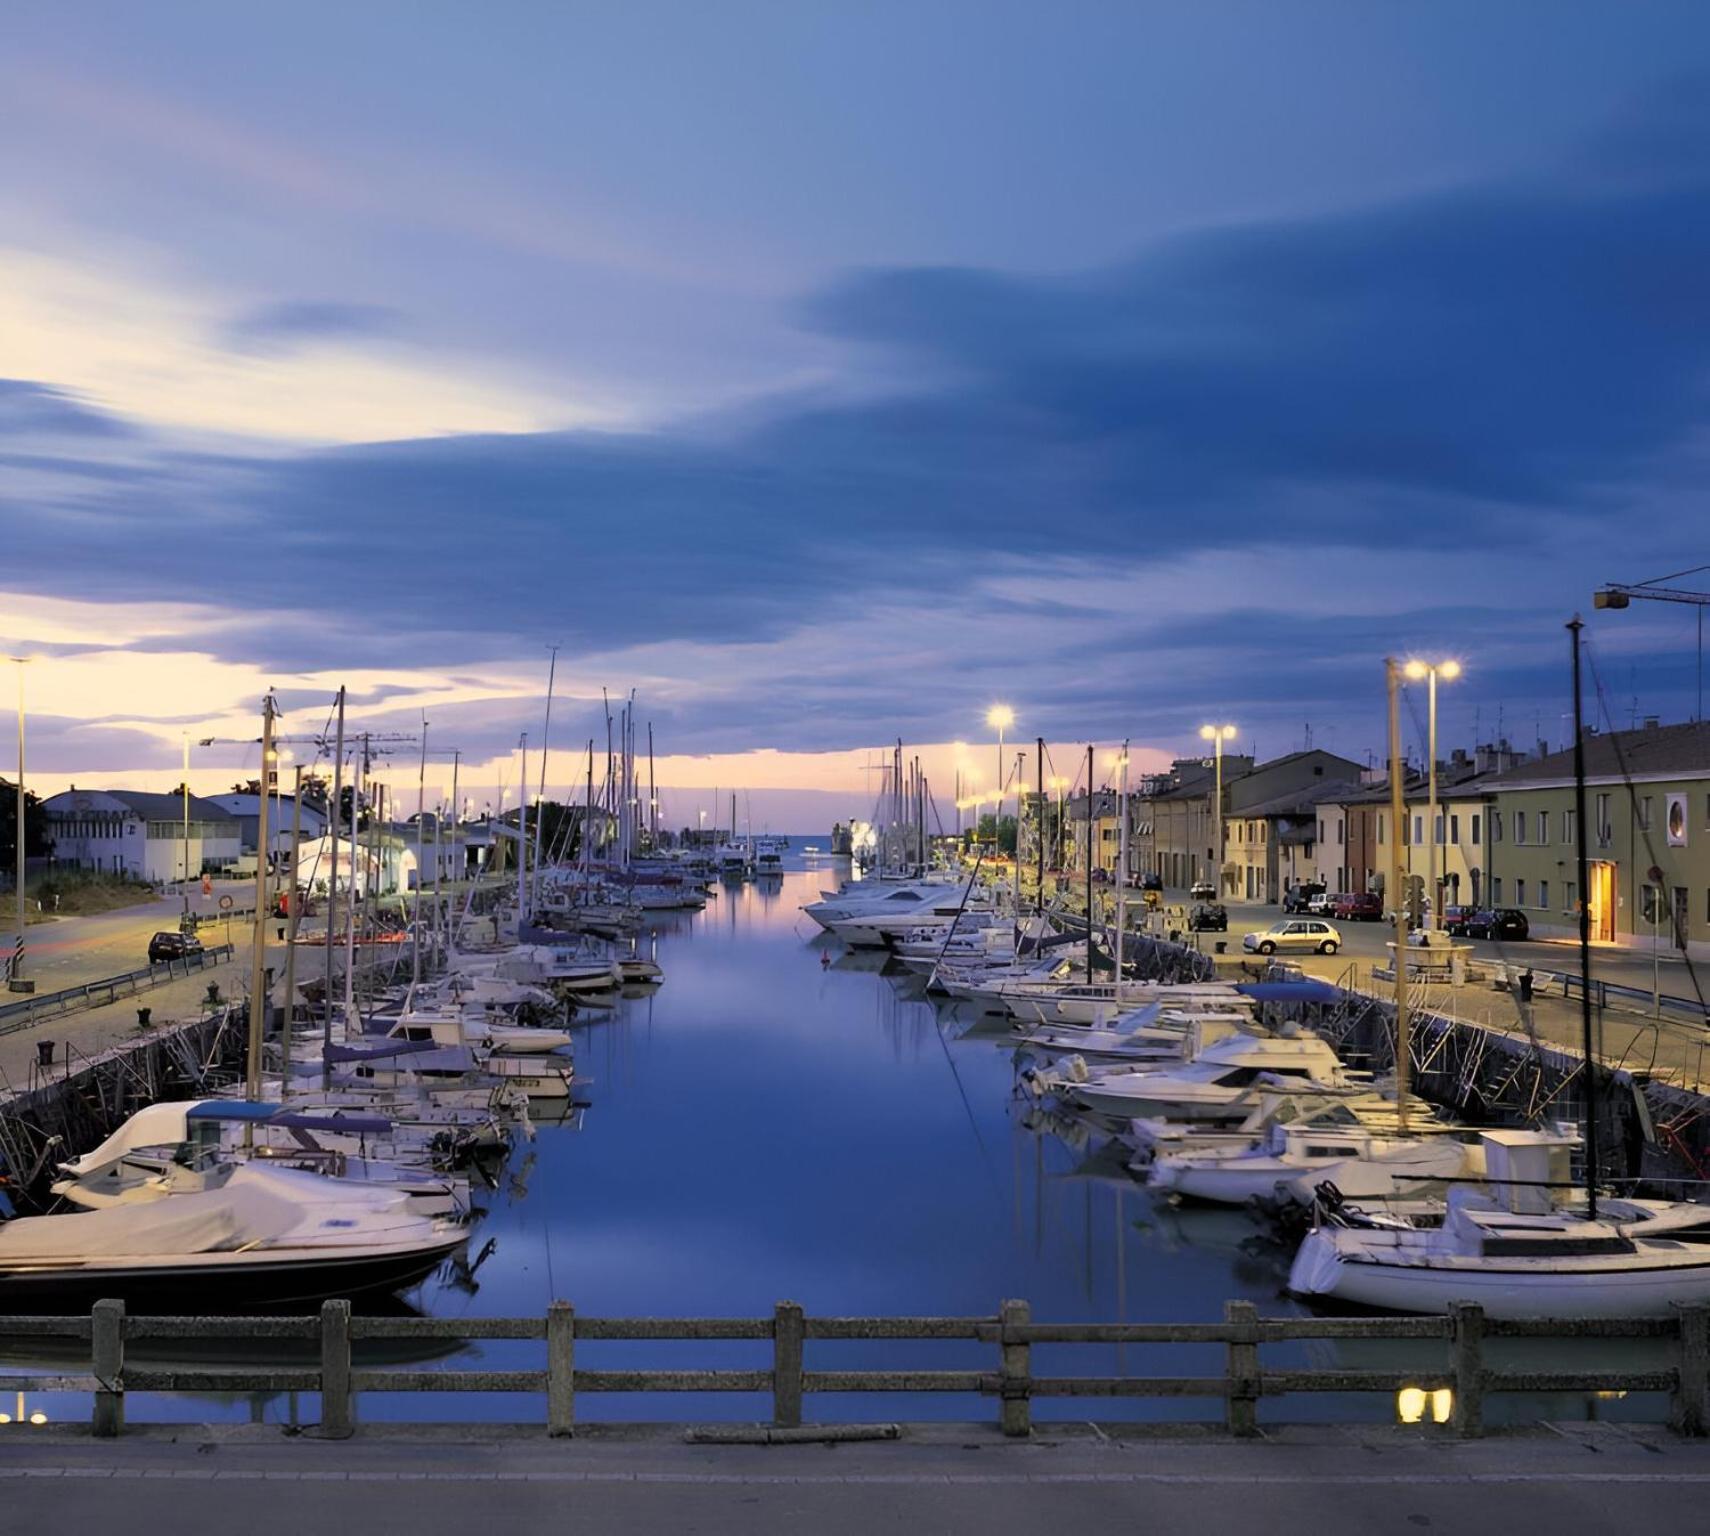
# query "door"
(1603, 902)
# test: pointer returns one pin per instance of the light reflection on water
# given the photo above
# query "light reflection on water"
(781, 1120)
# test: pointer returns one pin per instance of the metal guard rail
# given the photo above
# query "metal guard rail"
(1014, 1383)
(96, 994)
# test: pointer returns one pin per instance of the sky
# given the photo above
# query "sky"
(826, 374)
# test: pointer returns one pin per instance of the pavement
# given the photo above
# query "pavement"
(1588, 1479)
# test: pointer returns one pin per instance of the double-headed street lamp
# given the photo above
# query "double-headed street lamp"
(1218, 734)
(1432, 670)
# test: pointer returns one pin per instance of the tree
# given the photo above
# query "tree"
(1005, 833)
(37, 843)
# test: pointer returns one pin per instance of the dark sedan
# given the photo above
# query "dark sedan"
(1208, 917)
(1497, 923)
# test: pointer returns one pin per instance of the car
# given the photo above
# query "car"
(1498, 923)
(1309, 934)
(1208, 917)
(168, 945)
(1151, 882)
(1321, 905)
(1297, 898)
(1456, 919)
(1358, 907)
(1202, 890)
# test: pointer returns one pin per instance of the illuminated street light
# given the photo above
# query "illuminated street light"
(1448, 670)
(1217, 735)
(1001, 716)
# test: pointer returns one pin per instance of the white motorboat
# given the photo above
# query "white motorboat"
(263, 1238)
(1513, 1251)
(1213, 1083)
(867, 896)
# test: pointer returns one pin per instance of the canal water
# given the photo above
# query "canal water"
(782, 1120)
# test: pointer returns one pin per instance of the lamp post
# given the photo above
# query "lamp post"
(17, 966)
(1217, 735)
(1432, 670)
(1397, 813)
(1121, 763)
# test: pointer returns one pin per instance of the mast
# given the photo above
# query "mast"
(350, 927)
(421, 833)
(1039, 819)
(1089, 862)
(456, 827)
(522, 839)
(258, 944)
(332, 880)
(1397, 824)
(294, 913)
(652, 797)
(1574, 627)
(545, 745)
(1122, 861)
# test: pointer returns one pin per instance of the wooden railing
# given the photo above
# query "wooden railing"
(1243, 1382)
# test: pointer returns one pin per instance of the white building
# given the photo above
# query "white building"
(247, 809)
(128, 832)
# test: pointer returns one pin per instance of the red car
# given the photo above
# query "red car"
(1360, 906)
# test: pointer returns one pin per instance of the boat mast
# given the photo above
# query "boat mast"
(545, 746)
(294, 913)
(1089, 863)
(522, 838)
(1574, 627)
(652, 797)
(258, 944)
(1397, 825)
(1038, 822)
(332, 879)
(421, 832)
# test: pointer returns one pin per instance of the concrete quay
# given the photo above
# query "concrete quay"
(1589, 1479)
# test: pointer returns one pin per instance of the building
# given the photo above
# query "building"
(1648, 804)
(1176, 813)
(129, 832)
(1273, 844)
(1107, 831)
(247, 809)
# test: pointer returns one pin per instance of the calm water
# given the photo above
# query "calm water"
(781, 1120)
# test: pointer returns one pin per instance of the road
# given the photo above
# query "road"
(1319, 1482)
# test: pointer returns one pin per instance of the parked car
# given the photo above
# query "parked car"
(1498, 923)
(1151, 882)
(1358, 907)
(172, 946)
(1202, 890)
(1455, 920)
(1208, 917)
(1322, 905)
(1308, 934)
(1298, 898)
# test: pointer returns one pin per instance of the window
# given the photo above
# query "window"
(1603, 821)
(1455, 830)
(1520, 827)
(1543, 828)
(1570, 827)
(1543, 893)
(1475, 829)
(1496, 890)
(1380, 830)
(1418, 829)
(1320, 829)
(1519, 893)
(1496, 826)
(1437, 830)
(1645, 812)
(1570, 897)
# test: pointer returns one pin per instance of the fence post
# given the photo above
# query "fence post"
(1691, 1405)
(560, 1369)
(107, 1357)
(787, 1333)
(1468, 1367)
(1241, 1369)
(335, 1370)
(1015, 1370)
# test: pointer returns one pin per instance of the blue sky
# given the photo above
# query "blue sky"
(829, 372)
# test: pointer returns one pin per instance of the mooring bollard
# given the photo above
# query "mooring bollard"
(788, 1330)
(107, 1358)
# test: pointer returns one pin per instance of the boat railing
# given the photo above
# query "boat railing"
(332, 1366)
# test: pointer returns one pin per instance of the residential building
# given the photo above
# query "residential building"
(1648, 842)
(131, 832)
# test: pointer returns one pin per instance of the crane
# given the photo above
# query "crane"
(1617, 594)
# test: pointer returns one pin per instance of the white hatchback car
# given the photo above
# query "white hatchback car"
(1311, 934)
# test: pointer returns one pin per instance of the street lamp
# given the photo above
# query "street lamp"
(1217, 735)
(1432, 670)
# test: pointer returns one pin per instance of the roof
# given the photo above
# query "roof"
(1656, 752)
(1299, 802)
(140, 803)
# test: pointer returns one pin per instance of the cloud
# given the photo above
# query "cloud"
(1117, 498)
(29, 410)
(294, 323)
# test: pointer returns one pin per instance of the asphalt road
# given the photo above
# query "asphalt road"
(1585, 1479)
